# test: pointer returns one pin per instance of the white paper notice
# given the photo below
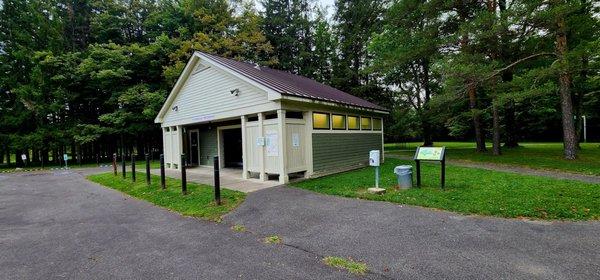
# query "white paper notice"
(295, 140)
(272, 139)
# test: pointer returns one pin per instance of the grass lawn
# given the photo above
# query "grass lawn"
(471, 191)
(199, 202)
(533, 155)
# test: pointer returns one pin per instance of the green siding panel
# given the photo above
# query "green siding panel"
(333, 151)
(208, 146)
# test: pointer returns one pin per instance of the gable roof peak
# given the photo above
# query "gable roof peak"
(290, 84)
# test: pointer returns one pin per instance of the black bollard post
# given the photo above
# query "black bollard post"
(133, 167)
(183, 176)
(162, 172)
(217, 180)
(148, 169)
(115, 164)
(123, 167)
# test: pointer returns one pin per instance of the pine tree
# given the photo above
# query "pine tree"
(356, 22)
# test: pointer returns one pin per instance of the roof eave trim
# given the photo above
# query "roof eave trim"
(176, 88)
(335, 104)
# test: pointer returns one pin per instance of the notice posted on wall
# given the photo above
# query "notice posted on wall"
(272, 139)
(295, 140)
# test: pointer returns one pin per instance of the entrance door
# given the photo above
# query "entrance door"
(194, 148)
(232, 147)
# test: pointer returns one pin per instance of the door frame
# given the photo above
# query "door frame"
(190, 142)
(220, 144)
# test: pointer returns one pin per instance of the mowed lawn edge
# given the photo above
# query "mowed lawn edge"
(199, 202)
(471, 191)
(540, 156)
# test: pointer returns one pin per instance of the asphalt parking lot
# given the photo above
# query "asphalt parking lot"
(58, 225)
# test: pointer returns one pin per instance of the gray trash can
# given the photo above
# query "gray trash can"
(404, 175)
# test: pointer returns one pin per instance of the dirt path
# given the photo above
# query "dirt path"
(518, 169)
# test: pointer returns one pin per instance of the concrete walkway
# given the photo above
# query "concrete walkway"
(517, 169)
(230, 178)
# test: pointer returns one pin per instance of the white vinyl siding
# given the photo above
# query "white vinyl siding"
(207, 94)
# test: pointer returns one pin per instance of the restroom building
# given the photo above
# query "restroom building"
(268, 124)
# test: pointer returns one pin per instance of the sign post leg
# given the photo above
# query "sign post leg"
(418, 173)
(443, 173)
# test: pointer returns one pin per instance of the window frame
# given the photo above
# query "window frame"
(328, 120)
(345, 121)
(357, 122)
(380, 128)
(370, 124)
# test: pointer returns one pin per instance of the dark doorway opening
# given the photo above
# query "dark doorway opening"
(232, 147)
(194, 148)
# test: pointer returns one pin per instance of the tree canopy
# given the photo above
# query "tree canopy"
(88, 77)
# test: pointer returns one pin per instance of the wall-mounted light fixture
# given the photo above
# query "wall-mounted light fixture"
(235, 92)
(175, 108)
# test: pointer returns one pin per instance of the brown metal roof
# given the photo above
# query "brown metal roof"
(290, 84)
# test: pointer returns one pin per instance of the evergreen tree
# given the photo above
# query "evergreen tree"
(356, 22)
(403, 55)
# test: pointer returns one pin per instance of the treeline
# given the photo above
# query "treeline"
(88, 77)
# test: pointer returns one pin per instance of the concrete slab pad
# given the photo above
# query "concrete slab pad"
(230, 178)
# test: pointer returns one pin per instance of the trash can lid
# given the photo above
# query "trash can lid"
(402, 168)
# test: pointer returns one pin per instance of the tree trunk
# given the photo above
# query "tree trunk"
(426, 124)
(512, 139)
(477, 124)
(426, 127)
(18, 160)
(496, 128)
(566, 102)
(578, 103)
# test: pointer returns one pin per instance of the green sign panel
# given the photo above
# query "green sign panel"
(430, 153)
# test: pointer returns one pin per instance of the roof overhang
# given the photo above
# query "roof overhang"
(332, 104)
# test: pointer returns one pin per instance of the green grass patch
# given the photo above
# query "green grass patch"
(548, 156)
(471, 191)
(199, 202)
(238, 228)
(353, 267)
(273, 239)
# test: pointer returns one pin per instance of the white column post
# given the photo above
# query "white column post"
(244, 149)
(283, 176)
(180, 149)
(308, 143)
(164, 139)
(261, 150)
